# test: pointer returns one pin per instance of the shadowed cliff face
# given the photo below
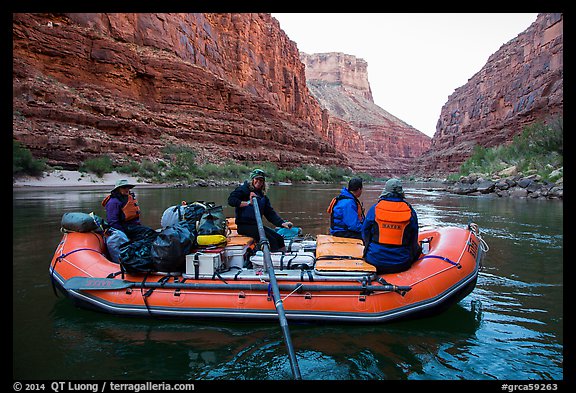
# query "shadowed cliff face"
(521, 83)
(374, 140)
(228, 85)
(233, 86)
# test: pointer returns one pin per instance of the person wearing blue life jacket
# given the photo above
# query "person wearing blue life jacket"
(346, 211)
(390, 231)
(241, 199)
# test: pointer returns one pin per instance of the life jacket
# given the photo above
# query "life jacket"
(335, 200)
(131, 209)
(391, 220)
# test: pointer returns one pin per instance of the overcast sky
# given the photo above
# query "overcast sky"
(415, 61)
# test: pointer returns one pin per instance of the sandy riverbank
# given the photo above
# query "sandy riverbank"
(62, 178)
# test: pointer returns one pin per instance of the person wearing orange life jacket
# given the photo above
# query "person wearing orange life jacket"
(390, 231)
(122, 209)
(346, 211)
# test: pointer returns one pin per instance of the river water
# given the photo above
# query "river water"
(509, 328)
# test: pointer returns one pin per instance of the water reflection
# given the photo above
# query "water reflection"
(256, 350)
(509, 327)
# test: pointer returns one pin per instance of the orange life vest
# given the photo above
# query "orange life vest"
(391, 220)
(131, 209)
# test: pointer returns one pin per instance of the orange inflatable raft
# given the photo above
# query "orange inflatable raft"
(337, 285)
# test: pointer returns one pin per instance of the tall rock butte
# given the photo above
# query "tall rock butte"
(374, 140)
(521, 83)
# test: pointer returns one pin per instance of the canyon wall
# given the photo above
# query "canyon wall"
(521, 83)
(235, 87)
(375, 141)
(231, 86)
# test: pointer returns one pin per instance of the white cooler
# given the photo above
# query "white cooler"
(235, 250)
(291, 260)
(208, 263)
(300, 245)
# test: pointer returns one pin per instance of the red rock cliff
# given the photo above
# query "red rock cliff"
(521, 83)
(374, 140)
(126, 85)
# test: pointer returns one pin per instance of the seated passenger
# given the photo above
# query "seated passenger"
(122, 209)
(346, 211)
(241, 199)
(390, 231)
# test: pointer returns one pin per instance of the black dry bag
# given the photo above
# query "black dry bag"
(136, 255)
(213, 222)
(170, 248)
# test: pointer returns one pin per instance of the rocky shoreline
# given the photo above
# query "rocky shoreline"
(517, 186)
(512, 186)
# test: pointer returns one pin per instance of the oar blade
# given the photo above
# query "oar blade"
(96, 283)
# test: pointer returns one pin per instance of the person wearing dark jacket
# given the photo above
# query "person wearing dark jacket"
(390, 231)
(241, 199)
(346, 211)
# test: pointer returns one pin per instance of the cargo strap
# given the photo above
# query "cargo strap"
(289, 261)
(289, 247)
(196, 263)
(78, 249)
(230, 268)
(457, 264)
(112, 275)
(292, 241)
(217, 274)
(52, 279)
(322, 257)
(381, 280)
(308, 271)
(145, 295)
(60, 258)
(270, 294)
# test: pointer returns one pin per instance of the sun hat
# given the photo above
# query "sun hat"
(122, 183)
(257, 173)
(355, 184)
(392, 186)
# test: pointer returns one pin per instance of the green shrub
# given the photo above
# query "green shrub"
(365, 176)
(99, 165)
(150, 170)
(179, 165)
(23, 163)
(538, 147)
(171, 150)
(283, 175)
(298, 174)
(130, 168)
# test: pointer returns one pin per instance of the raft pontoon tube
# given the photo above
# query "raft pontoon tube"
(333, 283)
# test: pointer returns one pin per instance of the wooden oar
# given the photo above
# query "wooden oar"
(275, 291)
